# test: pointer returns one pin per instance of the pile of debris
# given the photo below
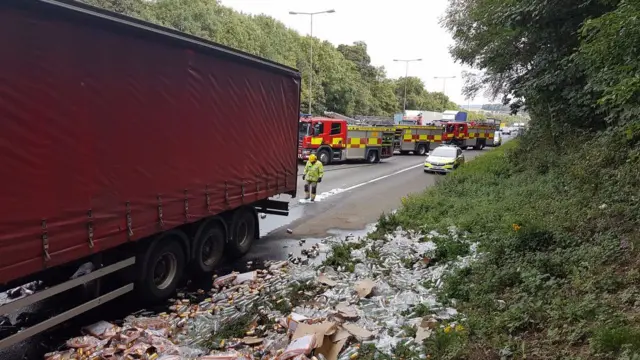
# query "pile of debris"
(291, 310)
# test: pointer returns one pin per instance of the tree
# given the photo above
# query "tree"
(610, 54)
(418, 98)
(344, 80)
(526, 52)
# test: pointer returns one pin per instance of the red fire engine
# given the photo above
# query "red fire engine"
(333, 140)
(465, 134)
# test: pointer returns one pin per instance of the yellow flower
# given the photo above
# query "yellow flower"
(459, 327)
(515, 227)
(447, 329)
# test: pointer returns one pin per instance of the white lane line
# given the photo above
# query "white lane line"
(323, 196)
(382, 177)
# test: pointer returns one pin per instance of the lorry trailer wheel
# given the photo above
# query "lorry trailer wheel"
(163, 270)
(209, 247)
(243, 229)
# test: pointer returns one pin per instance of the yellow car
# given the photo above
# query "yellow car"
(444, 159)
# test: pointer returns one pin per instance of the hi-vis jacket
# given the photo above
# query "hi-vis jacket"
(312, 172)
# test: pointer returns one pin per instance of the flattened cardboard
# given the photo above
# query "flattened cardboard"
(318, 330)
(346, 311)
(323, 279)
(358, 332)
(340, 334)
(364, 287)
(331, 349)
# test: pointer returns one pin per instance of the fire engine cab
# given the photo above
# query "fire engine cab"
(465, 134)
(333, 140)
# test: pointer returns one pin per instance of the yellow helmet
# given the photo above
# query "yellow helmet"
(312, 157)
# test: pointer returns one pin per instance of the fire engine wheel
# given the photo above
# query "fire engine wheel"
(324, 157)
(422, 150)
(373, 157)
(243, 229)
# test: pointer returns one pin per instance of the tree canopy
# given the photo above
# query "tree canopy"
(573, 63)
(344, 80)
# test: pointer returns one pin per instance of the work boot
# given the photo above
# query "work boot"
(306, 196)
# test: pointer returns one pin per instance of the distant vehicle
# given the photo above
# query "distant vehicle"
(444, 159)
(497, 138)
(506, 131)
(469, 134)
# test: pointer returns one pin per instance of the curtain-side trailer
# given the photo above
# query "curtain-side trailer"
(138, 149)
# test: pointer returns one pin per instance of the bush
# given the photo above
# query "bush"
(558, 228)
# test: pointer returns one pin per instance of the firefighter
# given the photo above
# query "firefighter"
(313, 172)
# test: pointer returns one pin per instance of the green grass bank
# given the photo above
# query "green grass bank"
(558, 229)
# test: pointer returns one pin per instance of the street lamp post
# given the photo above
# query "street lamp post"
(406, 75)
(310, 14)
(444, 89)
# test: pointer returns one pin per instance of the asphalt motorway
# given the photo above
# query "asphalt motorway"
(352, 196)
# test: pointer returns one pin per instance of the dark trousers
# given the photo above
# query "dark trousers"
(310, 188)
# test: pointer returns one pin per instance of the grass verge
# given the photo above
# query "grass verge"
(558, 227)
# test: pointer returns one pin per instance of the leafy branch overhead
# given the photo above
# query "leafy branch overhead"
(345, 81)
(576, 61)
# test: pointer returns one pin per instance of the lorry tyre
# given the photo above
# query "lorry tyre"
(324, 157)
(208, 247)
(373, 157)
(421, 150)
(163, 270)
(243, 229)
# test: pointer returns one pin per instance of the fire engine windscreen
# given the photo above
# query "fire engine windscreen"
(304, 129)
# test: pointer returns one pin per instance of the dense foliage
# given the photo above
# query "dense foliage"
(558, 277)
(344, 80)
(555, 213)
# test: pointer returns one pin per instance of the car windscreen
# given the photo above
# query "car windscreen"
(444, 152)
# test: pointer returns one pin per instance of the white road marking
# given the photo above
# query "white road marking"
(382, 177)
(332, 192)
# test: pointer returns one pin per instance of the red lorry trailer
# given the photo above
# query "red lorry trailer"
(133, 147)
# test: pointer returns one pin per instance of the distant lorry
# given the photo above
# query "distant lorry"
(334, 140)
(133, 148)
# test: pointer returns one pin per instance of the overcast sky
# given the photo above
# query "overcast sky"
(398, 29)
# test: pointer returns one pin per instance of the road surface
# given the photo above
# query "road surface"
(363, 192)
